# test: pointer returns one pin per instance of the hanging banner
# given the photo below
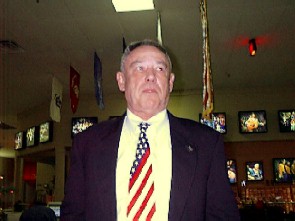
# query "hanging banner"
(74, 88)
(98, 81)
(56, 100)
(207, 75)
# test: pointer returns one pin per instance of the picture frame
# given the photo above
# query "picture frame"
(218, 122)
(254, 171)
(252, 121)
(46, 132)
(232, 171)
(80, 124)
(19, 140)
(283, 169)
(32, 134)
(286, 120)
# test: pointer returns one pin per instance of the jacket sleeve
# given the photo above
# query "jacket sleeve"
(72, 208)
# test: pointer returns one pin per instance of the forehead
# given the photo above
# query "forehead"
(147, 51)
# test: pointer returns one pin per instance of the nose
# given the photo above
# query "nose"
(150, 75)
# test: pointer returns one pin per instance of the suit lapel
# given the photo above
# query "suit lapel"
(110, 145)
(184, 161)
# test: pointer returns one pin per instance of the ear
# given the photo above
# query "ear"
(121, 81)
(171, 82)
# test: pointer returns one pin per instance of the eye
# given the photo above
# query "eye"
(161, 68)
(139, 68)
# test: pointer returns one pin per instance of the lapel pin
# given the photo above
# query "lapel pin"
(189, 148)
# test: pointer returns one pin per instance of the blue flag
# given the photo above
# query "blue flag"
(98, 81)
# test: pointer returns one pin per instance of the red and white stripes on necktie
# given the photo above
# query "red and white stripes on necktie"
(141, 186)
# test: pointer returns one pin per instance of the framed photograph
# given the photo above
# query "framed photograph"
(46, 132)
(252, 121)
(254, 171)
(32, 134)
(284, 170)
(19, 140)
(287, 120)
(231, 165)
(80, 124)
(218, 122)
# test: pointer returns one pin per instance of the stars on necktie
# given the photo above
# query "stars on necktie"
(142, 146)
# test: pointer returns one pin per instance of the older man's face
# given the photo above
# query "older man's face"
(147, 81)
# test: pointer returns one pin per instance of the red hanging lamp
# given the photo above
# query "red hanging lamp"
(252, 47)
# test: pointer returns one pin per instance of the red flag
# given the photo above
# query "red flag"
(74, 88)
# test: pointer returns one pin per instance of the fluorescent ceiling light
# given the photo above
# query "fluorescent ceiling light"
(133, 5)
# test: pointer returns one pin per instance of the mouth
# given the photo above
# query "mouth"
(150, 90)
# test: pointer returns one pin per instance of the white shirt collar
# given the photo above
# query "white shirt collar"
(132, 121)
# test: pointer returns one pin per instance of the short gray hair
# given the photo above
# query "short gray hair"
(145, 42)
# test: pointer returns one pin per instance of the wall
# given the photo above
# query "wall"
(45, 176)
(6, 181)
(263, 151)
(231, 101)
(6, 164)
(183, 104)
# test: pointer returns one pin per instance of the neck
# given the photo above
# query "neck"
(145, 115)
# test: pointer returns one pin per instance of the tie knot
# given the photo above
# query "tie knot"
(143, 126)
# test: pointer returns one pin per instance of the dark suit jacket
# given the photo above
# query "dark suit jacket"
(200, 188)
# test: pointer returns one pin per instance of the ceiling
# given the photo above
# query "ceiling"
(54, 34)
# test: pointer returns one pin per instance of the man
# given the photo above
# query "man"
(38, 212)
(187, 177)
(255, 173)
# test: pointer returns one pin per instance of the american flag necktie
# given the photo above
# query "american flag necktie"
(141, 185)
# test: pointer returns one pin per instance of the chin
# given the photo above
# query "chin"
(150, 103)
(152, 108)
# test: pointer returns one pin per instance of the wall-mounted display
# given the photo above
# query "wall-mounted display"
(252, 121)
(19, 140)
(45, 132)
(32, 134)
(287, 120)
(80, 124)
(218, 122)
(284, 170)
(254, 171)
(232, 170)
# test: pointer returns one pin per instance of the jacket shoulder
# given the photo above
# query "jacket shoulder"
(190, 125)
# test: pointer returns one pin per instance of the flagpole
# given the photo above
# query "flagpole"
(207, 74)
(159, 29)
